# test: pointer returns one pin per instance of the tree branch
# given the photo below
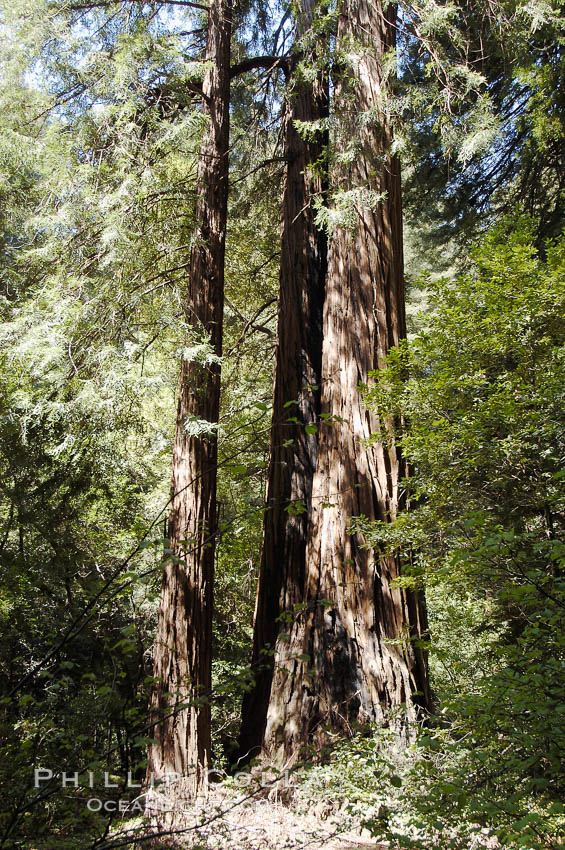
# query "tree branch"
(266, 62)
(252, 63)
(185, 3)
(102, 4)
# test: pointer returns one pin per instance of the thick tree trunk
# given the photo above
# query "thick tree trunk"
(350, 658)
(296, 400)
(182, 664)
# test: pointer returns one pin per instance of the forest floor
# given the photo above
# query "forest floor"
(230, 821)
(263, 819)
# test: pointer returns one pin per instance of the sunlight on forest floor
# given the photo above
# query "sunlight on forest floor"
(230, 820)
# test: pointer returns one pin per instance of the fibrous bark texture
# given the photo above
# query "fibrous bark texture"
(296, 400)
(182, 665)
(351, 656)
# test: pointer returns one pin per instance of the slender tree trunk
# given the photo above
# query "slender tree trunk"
(350, 658)
(296, 400)
(182, 664)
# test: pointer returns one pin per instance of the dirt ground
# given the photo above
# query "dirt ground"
(262, 821)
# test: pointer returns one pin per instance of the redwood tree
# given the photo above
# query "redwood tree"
(296, 398)
(351, 655)
(182, 665)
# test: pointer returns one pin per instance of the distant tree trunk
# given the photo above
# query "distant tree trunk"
(350, 657)
(296, 400)
(182, 664)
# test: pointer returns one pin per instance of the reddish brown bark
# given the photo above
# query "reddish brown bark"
(350, 658)
(296, 393)
(182, 665)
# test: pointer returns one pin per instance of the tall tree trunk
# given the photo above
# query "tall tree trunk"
(296, 399)
(182, 664)
(350, 658)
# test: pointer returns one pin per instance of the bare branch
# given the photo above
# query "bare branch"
(103, 4)
(268, 63)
